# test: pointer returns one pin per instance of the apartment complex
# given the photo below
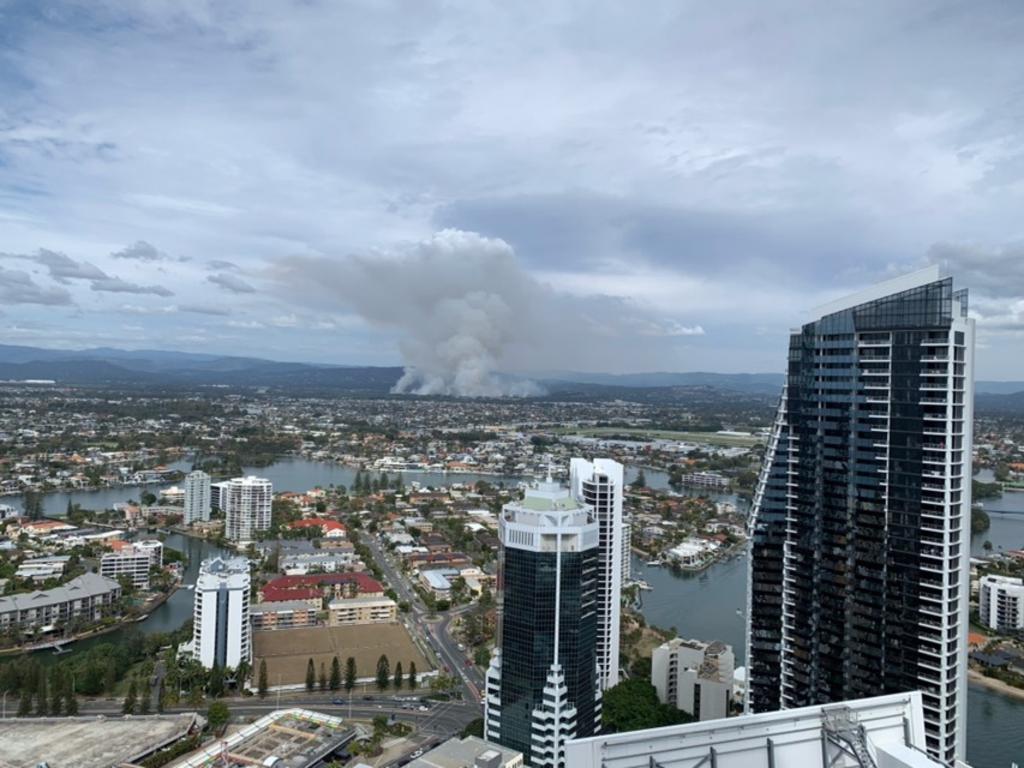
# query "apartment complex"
(284, 615)
(861, 521)
(88, 597)
(695, 677)
(543, 685)
(246, 503)
(599, 485)
(362, 610)
(221, 634)
(197, 497)
(134, 560)
(1001, 603)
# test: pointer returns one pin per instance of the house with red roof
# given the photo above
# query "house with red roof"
(331, 529)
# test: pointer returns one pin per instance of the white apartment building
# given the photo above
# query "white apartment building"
(599, 484)
(197, 497)
(134, 561)
(695, 677)
(1001, 603)
(246, 503)
(221, 635)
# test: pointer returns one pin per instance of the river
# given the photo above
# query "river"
(707, 605)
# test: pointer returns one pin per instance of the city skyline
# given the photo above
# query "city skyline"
(348, 173)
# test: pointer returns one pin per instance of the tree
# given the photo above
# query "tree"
(42, 704)
(350, 674)
(56, 692)
(263, 679)
(633, 705)
(128, 707)
(310, 676)
(412, 675)
(70, 701)
(25, 704)
(641, 480)
(323, 677)
(987, 546)
(474, 728)
(399, 677)
(217, 715)
(482, 656)
(215, 686)
(335, 674)
(147, 699)
(383, 672)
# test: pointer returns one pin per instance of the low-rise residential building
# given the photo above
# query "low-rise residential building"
(39, 569)
(320, 585)
(321, 561)
(86, 597)
(1001, 603)
(362, 610)
(331, 529)
(283, 615)
(694, 676)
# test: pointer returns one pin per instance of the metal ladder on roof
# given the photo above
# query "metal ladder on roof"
(842, 734)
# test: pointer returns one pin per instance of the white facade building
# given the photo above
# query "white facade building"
(627, 552)
(599, 485)
(246, 502)
(881, 732)
(221, 635)
(695, 677)
(133, 561)
(1001, 603)
(197, 497)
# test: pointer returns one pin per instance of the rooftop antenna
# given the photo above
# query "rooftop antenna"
(551, 469)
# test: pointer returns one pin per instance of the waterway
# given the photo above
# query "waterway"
(707, 605)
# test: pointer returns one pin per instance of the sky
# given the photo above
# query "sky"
(466, 187)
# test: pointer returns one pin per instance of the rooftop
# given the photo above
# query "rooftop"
(87, 742)
(464, 753)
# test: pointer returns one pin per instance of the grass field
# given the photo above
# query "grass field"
(288, 651)
(706, 438)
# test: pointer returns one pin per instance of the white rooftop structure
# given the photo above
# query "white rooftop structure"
(880, 732)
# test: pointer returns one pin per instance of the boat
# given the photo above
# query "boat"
(653, 563)
(644, 585)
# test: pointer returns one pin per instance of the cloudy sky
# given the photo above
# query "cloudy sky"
(550, 185)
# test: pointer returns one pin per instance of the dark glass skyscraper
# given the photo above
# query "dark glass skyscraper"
(861, 522)
(542, 685)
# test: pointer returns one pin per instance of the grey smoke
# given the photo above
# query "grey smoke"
(465, 310)
(458, 300)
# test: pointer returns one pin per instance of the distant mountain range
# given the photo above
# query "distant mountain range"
(159, 368)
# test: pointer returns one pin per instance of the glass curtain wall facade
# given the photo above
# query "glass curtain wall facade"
(860, 530)
(543, 684)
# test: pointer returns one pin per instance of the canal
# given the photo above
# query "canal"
(707, 605)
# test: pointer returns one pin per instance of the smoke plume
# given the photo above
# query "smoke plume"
(465, 309)
(459, 300)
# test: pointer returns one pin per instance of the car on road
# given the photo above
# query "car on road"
(339, 702)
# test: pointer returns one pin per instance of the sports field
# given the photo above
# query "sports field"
(288, 651)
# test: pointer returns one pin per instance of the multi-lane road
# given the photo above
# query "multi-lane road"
(439, 718)
(436, 631)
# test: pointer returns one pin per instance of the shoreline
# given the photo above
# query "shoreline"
(88, 635)
(979, 680)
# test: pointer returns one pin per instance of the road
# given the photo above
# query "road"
(441, 718)
(436, 631)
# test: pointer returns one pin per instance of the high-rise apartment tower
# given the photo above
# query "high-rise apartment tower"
(221, 635)
(598, 484)
(861, 522)
(197, 497)
(246, 502)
